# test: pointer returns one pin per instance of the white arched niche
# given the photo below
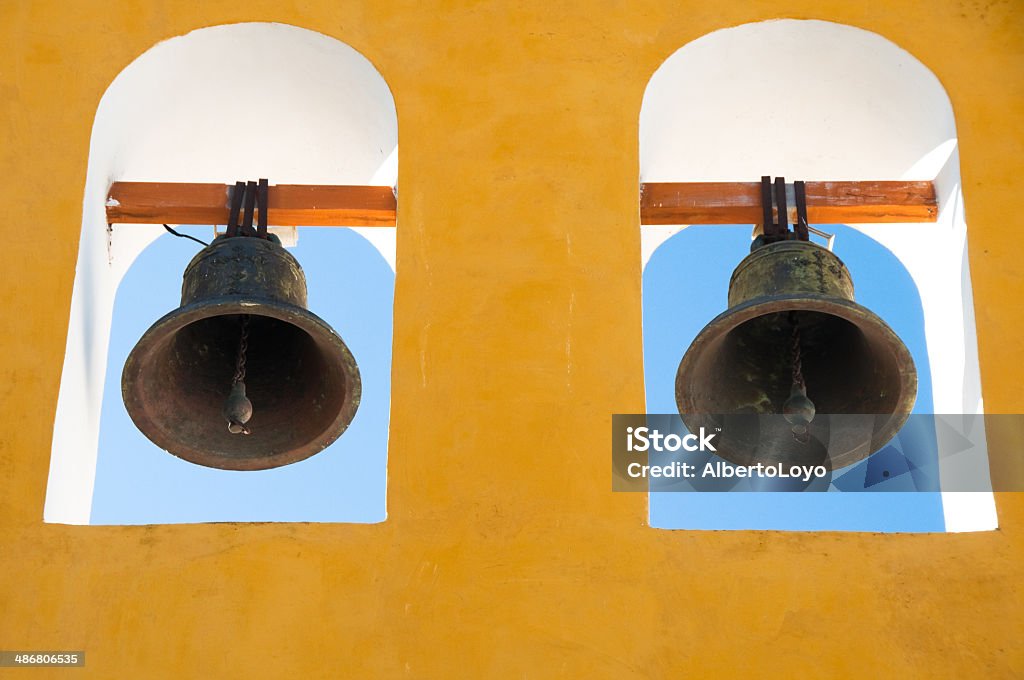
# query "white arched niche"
(220, 104)
(813, 100)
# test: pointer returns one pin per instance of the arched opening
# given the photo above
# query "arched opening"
(849, 105)
(186, 111)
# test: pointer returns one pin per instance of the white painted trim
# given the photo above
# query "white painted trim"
(178, 113)
(856, 107)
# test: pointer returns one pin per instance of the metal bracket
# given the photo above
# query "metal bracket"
(244, 197)
(775, 215)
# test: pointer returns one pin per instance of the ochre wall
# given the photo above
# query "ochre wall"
(517, 334)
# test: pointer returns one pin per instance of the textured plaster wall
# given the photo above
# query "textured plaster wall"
(517, 334)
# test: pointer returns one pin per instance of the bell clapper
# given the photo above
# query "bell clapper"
(237, 407)
(798, 409)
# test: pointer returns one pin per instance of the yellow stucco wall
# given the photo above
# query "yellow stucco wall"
(504, 554)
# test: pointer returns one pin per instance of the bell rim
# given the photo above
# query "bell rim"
(852, 311)
(225, 306)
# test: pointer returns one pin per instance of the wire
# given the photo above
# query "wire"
(185, 236)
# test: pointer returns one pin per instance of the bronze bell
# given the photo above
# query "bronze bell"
(795, 371)
(241, 376)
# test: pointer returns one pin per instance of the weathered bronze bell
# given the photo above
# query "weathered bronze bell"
(241, 376)
(795, 371)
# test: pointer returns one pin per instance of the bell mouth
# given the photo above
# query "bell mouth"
(740, 366)
(300, 376)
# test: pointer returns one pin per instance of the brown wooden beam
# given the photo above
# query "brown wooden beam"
(289, 205)
(827, 202)
(660, 203)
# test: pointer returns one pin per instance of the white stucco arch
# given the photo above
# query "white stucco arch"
(814, 100)
(219, 104)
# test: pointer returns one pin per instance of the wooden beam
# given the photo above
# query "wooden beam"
(827, 202)
(289, 205)
(660, 203)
